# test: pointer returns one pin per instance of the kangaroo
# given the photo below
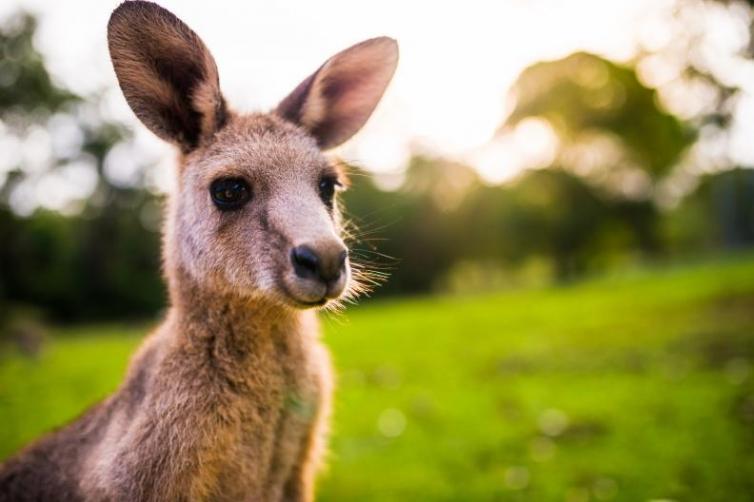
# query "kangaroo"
(228, 398)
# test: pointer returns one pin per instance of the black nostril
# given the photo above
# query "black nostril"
(305, 262)
(342, 259)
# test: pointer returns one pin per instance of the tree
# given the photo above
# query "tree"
(584, 95)
(98, 259)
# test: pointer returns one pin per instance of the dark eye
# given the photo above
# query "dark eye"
(230, 194)
(327, 189)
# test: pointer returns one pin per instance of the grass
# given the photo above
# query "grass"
(634, 387)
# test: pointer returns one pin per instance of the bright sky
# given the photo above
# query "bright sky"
(458, 60)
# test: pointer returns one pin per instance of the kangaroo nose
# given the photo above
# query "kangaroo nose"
(325, 266)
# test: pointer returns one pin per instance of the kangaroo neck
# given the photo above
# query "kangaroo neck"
(224, 328)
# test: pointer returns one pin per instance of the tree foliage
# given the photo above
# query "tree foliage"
(25, 85)
(584, 93)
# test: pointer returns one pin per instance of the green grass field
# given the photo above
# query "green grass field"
(636, 387)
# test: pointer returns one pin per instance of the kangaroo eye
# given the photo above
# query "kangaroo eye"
(230, 194)
(327, 189)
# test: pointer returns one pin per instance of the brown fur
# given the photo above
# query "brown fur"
(228, 399)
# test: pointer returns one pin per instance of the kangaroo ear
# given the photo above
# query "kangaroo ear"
(336, 100)
(166, 73)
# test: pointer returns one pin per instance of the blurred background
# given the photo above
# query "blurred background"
(562, 195)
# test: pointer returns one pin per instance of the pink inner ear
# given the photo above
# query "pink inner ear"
(338, 99)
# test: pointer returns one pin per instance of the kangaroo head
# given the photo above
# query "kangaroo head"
(254, 211)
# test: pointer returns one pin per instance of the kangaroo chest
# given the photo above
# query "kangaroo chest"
(214, 421)
(276, 404)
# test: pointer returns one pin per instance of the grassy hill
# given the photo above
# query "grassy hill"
(634, 387)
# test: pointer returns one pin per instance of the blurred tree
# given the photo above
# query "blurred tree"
(718, 214)
(723, 202)
(611, 129)
(584, 95)
(25, 85)
(699, 68)
(547, 213)
(443, 215)
(411, 232)
(100, 261)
